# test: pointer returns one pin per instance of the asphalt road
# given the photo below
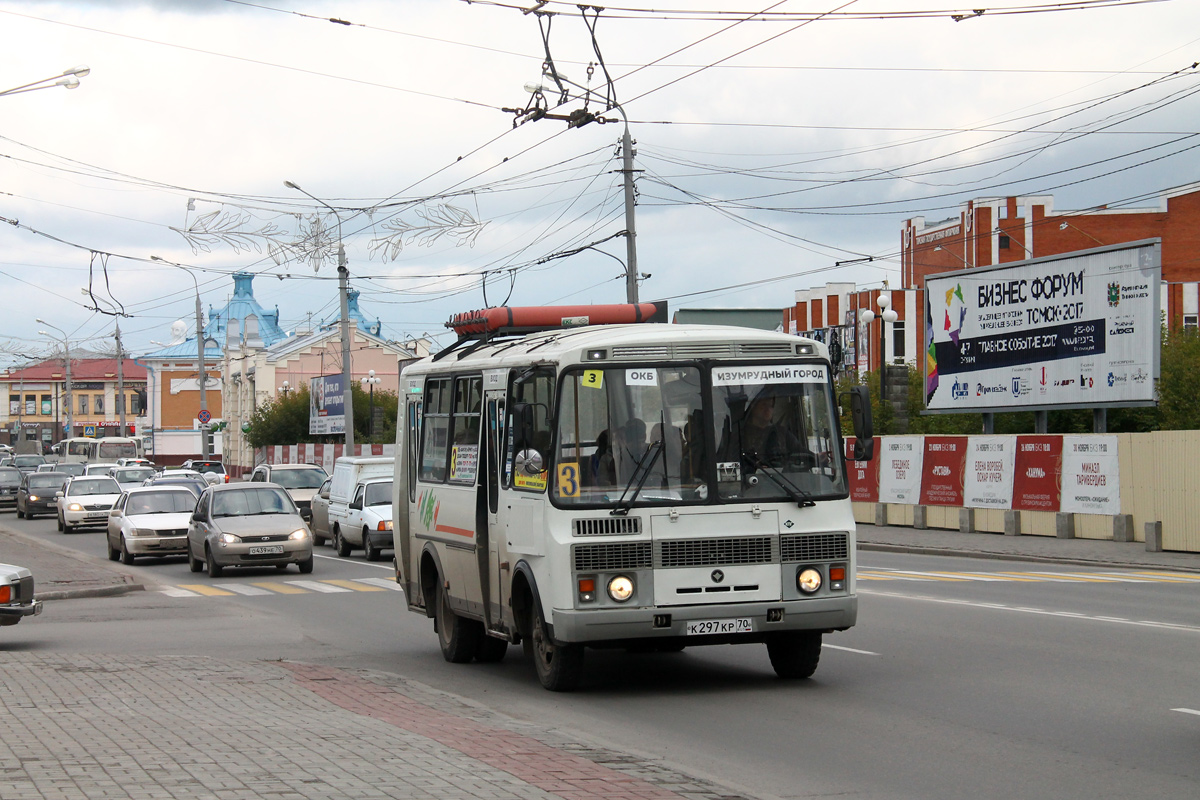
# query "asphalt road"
(964, 677)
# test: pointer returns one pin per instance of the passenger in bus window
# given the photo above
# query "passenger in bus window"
(765, 440)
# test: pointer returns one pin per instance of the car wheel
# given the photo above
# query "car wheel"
(194, 564)
(60, 524)
(559, 666)
(795, 655)
(126, 556)
(458, 636)
(306, 566)
(67, 527)
(113, 553)
(369, 549)
(20, 513)
(318, 540)
(30, 515)
(340, 544)
(215, 570)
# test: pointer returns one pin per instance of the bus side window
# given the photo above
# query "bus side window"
(411, 440)
(468, 401)
(435, 431)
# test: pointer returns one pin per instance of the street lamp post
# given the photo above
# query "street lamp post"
(68, 79)
(201, 365)
(66, 370)
(886, 314)
(344, 292)
(285, 389)
(370, 382)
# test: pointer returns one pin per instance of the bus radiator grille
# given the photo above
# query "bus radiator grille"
(715, 552)
(815, 547)
(602, 557)
(607, 526)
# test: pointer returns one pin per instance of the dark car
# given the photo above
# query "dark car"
(10, 481)
(28, 463)
(36, 495)
(204, 467)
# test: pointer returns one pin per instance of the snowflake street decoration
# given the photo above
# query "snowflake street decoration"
(441, 221)
(234, 229)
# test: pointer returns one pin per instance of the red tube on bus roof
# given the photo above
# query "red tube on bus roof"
(490, 320)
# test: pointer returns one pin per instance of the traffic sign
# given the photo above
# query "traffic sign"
(89, 430)
(204, 416)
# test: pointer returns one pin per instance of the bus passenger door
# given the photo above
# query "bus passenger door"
(492, 551)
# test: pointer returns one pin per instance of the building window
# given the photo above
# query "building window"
(1191, 322)
(47, 406)
(30, 404)
(135, 403)
(14, 405)
(83, 404)
(897, 344)
(98, 403)
(1004, 242)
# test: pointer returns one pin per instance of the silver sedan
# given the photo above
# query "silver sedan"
(247, 525)
(150, 521)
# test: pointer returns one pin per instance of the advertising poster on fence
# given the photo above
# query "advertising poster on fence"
(1075, 330)
(942, 470)
(1037, 479)
(900, 468)
(1091, 475)
(864, 475)
(990, 462)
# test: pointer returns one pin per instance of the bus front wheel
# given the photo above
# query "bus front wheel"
(559, 666)
(795, 655)
(458, 636)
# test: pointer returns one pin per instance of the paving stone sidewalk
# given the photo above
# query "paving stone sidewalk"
(196, 728)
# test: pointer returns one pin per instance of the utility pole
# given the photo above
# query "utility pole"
(120, 380)
(202, 371)
(631, 273)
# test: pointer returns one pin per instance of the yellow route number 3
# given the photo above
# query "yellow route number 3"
(568, 480)
(593, 379)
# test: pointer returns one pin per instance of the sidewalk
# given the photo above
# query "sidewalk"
(59, 572)
(1048, 549)
(197, 728)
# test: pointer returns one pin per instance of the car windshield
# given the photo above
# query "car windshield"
(160, 503)
(10, 475)
(70, 467)
(98, 469)
(28, 461)
(45, 481)
(88, 486)
(248, 502)
(208, 466)
(305, 478)
(775, 433)
(195, 486)
(379, 494)
(133, 474)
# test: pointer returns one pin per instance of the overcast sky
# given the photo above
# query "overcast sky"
(765, 149)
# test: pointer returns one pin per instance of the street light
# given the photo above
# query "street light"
(941, 249)
(344, 292)
(370, 382)
(886, 314)
(201, 365)
(69, 79)
(284, 389)
(66, 370)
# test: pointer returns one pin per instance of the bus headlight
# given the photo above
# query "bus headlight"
(809, 580)
(620, 588)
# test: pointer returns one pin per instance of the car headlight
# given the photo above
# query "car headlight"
(299, 534)
(33, 497)
(809, 580)
(74, 507)
(228, 538)
(384, 525)
(620, 588)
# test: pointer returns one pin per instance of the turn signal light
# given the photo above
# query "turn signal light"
(587, 590)
(837, 573)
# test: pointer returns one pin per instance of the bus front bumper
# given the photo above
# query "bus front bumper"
(614, 626)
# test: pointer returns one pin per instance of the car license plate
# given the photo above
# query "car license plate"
(702, 627)
(96, 514)
(266, 549)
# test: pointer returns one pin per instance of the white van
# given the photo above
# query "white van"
(349, 472)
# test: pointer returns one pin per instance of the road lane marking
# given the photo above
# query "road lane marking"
(383, 583)
(355, 561)
(850, 650)
(209, 591)
(353, 586)
(174, 591)
(1187, 711)
(889, 574)
(281, 588)
(318, 586)
(1144, 623)
(242, 588)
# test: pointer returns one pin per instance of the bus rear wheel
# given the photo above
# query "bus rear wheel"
(458, 636)
(795, 655)
(559, 666)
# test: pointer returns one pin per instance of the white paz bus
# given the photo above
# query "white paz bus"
(572, 477)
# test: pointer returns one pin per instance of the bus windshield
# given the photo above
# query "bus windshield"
(643, 435)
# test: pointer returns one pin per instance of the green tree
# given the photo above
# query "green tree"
(1179, 382)
(284, 420)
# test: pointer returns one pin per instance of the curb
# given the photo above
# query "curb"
(93, 591)
(1079, 562)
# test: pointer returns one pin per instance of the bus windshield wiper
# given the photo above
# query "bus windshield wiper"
(803, 499)
(648, 458)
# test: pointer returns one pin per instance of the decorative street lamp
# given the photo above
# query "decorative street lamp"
(369, 382)
(886, 314)
(285, 389)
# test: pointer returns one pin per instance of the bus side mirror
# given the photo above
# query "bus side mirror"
(864, 428)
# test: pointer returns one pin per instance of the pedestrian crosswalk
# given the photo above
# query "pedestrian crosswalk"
(266, 588)
(1038, 576)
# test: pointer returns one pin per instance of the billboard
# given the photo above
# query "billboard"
(326, 405)
(1077, 330)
